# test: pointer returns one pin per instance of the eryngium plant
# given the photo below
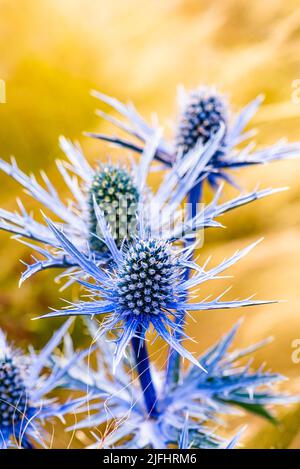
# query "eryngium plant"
(24, 386)
(139, 279)
(228, 385)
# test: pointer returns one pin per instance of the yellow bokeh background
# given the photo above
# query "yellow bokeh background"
(53, 52)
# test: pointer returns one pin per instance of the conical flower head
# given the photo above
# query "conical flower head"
(13, 394)
(201, 118)
(116, 194)
(147, 278)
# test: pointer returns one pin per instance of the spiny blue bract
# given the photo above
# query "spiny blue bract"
(24, 385)
(117, 196)
(147, 276)
(227, 156)
(13, 394)
(229, 383)
(201, 119)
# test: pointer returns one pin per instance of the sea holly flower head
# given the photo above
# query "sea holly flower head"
(23, 389)
(115, 189)
(13, 396)
(148, 278)
(203, 111)
(116, 194)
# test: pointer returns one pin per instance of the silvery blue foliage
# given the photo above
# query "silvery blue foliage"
(229, 384)
(24, 386)
(201, 114)
(74, 214)
(107, 185)
(228, 381)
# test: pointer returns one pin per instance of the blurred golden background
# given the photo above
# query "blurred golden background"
(53, 52)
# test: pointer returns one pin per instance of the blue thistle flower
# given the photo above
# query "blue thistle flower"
(119, 194)
(145, 287)
(12, 393)
(148, 278)
(112, 186)
(23, 387)
(201, 118)
(203, 111)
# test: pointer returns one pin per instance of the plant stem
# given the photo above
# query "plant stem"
(144, 372)
(173, 366)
